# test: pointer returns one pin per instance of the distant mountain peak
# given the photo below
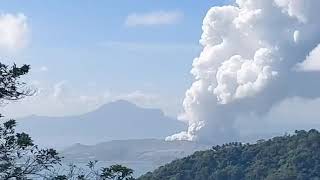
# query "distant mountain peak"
(126, 106)
(122, 103)
(115, 120)
(116, 106)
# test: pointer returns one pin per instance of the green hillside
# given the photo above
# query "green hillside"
(288, 157)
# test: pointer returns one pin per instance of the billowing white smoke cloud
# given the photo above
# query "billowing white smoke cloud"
(251, 51)
(312, 62)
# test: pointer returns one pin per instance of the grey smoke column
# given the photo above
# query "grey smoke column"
(255, 54)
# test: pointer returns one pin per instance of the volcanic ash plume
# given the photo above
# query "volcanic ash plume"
(255, 54)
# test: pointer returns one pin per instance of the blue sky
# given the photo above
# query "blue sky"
(88, 45)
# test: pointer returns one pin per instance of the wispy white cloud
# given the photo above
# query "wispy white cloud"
(43, 69)
(13, 31)
(154, 18)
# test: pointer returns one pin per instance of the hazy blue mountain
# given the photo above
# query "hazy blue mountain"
(142, 155)
(113, 121)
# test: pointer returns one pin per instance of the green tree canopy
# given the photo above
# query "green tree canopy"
(289, 157)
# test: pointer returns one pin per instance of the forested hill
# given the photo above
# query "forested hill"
(288, 157)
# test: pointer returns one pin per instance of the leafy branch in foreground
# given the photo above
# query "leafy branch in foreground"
(19, 157)
(114, 172)
(10, 86)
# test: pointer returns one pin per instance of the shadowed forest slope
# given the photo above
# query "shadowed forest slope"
(287, 157)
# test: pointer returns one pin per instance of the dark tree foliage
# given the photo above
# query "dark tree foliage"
(20, 158)
(114, 172)
(290, 157)
(10, 86)
(117, 172)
